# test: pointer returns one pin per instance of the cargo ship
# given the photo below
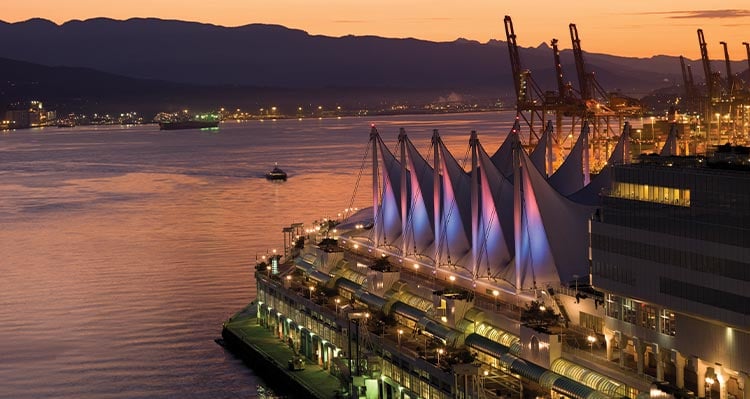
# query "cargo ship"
(189, 124)
(184, 120)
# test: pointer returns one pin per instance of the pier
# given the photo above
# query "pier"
(268, 357)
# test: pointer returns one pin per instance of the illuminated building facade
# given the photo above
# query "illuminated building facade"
(670, 249)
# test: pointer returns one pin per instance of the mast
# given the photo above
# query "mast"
(436, 196)
(404, 202)
(586, 161)
(475, 233)
(518, 210)
(374, 137)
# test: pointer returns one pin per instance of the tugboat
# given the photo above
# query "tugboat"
(276, 174)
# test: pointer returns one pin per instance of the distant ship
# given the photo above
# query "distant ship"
(276, 174)
(190, 124)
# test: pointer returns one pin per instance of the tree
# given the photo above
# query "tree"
(536, 315)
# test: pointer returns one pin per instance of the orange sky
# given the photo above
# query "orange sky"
(638, 28)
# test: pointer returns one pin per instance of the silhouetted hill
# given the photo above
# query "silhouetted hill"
(275, 56)
(237, 61)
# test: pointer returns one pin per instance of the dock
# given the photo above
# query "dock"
(268, 356)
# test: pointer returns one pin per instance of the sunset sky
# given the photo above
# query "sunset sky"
(638, 28)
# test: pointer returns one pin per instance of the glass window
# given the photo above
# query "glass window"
(668, 324)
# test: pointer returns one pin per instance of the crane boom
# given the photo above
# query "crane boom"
(730, 76)
(706, 64)
(688, 89)
(580, 66)
(558, 71)
(515, 59)
(747, 48)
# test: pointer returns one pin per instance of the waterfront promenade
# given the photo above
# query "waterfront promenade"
(260, 347)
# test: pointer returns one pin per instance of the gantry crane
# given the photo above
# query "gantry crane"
(599, 110)
(567, 103)
(567, 106)
(692, 101)
(530, 102)
(730, 81)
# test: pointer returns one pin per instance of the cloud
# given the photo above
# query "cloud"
(704, 14)
(351, 21)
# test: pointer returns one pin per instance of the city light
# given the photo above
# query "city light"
(591, 340)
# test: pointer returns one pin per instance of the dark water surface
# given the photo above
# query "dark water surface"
(122, 249)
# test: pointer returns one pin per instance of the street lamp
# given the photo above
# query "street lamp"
(640, 141)
(495, 293)
(337, 300)
(311, 291)
(452, 279)
(439, 352)
(653, 132)
(400, 333)
(416, 270)
(591, 340)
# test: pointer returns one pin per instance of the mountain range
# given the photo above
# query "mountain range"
(167, 61)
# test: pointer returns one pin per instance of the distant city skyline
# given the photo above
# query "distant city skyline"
(637, 28)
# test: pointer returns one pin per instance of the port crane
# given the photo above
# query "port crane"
(692, 98)
(530, 104)
(602, 108)
(567, 106)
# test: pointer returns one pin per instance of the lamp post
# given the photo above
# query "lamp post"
(416, 270)
(453, 280)
(591, 340)
(653, 135)
(337, 300)
(311, 291)
(640, 141)
(495, 293)
(439, 352)
(400, 333)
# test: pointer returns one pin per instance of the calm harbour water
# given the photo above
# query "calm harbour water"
(122, 249)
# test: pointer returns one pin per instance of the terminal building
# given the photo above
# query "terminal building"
(445, 287)
(670, 250)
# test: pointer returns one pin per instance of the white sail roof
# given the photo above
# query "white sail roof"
(389, 215)
(503, 157)
(495, 230)
(589, 195)
(541, 151)
(570, 177)
(456, 210)
(551, 241)
(420, 234)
